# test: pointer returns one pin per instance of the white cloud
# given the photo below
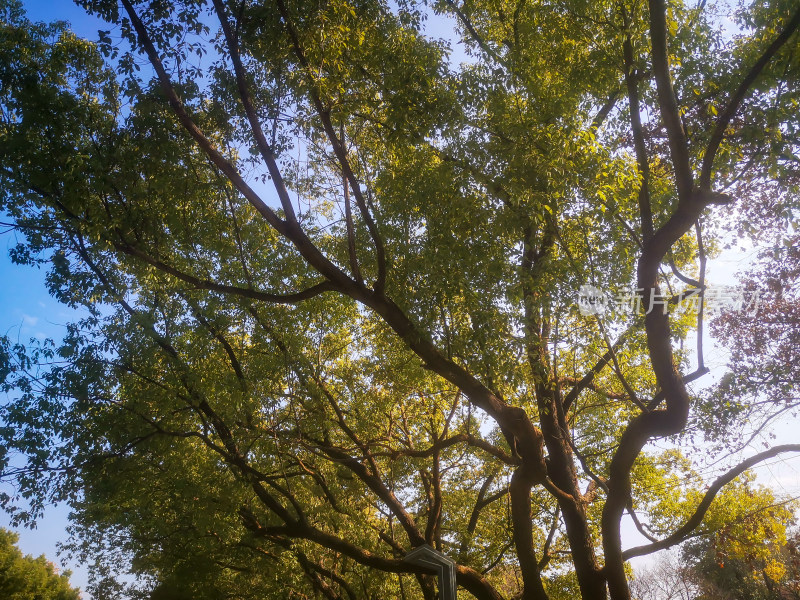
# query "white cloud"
(29, 320)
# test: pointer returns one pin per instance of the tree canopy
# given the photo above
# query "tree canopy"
(25, 577)
(748, 560)
(329, 277)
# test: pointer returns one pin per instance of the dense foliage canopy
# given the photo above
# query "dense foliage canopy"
(743, 575)
(728, 565)
(25, 577)
(329, 273)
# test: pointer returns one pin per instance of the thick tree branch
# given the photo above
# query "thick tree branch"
(520, 490)
(467, 578)
(667, 100)
(605, 110)
(374, 483)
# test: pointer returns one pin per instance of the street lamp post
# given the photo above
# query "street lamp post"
(445, 568)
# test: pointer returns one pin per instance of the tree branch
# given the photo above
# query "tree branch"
(338, 149)
(465, 21)
(738, 96)
(289, 229)
(205, 284)
(667, 100)
(632, 85)
(694, 521)
(587, 379)
(252, 116)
